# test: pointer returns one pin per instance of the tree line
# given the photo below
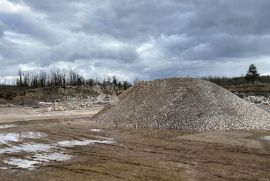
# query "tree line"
(228, 81)
(251, 76)
(63, 78)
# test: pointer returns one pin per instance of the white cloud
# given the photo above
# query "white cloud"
(9, 7)
(143, 39)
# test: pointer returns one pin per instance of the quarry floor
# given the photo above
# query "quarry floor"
(77, 149)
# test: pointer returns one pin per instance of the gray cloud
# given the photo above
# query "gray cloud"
(128, 38)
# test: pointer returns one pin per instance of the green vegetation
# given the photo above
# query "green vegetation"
(251, 82)
(256, 88)
(252, 74)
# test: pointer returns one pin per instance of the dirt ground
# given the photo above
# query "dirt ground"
(23, 113)
(125, 154)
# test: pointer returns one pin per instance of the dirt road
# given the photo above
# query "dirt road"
(23, 113)
(74, 148)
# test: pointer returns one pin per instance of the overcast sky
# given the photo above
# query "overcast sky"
(143, 39)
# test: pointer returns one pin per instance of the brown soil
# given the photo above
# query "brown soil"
(144, 154)
(23, 113)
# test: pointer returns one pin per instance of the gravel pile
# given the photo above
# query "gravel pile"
(183, 104)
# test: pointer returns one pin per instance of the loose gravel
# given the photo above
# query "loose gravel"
(183, 104)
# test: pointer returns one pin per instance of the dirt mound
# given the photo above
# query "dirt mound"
(184, 104)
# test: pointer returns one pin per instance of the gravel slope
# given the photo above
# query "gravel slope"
(183, 104)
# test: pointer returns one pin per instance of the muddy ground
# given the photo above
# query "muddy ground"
(85, 151)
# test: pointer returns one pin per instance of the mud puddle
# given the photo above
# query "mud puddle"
(5, 126)
(95, 130)
(5, 138)
(265, 138)
(39, 154)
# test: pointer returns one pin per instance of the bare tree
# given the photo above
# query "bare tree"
(20, 74)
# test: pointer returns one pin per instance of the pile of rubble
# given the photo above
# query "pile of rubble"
(77, 103)
(259, 100)
(62, 106)
(183, 104)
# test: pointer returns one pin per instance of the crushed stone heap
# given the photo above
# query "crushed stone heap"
(184, 104)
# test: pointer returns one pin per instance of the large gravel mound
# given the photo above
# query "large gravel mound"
(184, 104)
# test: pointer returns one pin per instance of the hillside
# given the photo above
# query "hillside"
(258, 88)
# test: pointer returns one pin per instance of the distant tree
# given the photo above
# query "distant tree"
(42, 79)
(120, 86)
(91, 82)
(114, 81)
(126, 85)
(252, 74)
(108, 81)
(61, 78)
(34, 81)
(20, 81)
(79, 80)
(26, 80)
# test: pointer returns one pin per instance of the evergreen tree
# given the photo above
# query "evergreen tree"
(252, 74)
